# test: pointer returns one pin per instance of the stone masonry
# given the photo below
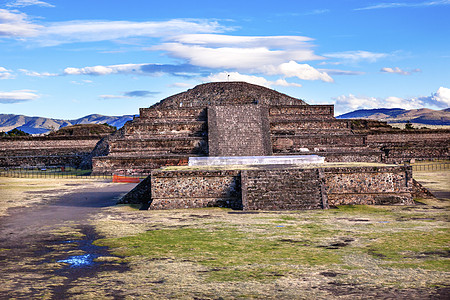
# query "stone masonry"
(238, 131)
(276, 187)
(237, 118)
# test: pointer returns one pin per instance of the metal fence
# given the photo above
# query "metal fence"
(431, 166)
(51, 172)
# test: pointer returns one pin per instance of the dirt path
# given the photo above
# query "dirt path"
(44, 248)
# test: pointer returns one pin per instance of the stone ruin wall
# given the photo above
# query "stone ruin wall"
(159, 137)
(281, 189)
(369, 185)
(45, 151)
(168, 136)
(411, 144)
(238, 131)
(192, 189)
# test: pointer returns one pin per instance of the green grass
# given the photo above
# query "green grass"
(412, 245)
(271, 247)
(231, 250)
(362, 210)
(218, 248)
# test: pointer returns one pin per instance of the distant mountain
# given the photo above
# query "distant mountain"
(398, 115)
(40, 125)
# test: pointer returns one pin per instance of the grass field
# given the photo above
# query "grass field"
(351, 252)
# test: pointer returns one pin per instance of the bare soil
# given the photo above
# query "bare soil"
(35, 239)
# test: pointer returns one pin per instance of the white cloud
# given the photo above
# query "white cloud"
(5, 73)
(180, 84)
(301, 71)
(23, 3)
(405, 4)
(397, 70)
(352, 102)
(221, 40)
(17, 24)
(93, 31)
(440, 99)
(105, 70)
(290, 69)
(357, 56)
(272, 55)
(234, 57)
(37, 74)
(340, 72)
(235, 76)
(18, 96)
(107, 97)
(128, 95)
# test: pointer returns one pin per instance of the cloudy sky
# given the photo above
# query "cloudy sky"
(70, 58)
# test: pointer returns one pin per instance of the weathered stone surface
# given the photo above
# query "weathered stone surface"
(47, 151)
(282, 187)
(237, 118)
(227, 93)
(238, 130)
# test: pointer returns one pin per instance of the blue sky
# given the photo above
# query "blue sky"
(67, 58)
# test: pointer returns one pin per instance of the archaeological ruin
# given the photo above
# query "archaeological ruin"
(237, 119)
(361, 161)
(69, 146)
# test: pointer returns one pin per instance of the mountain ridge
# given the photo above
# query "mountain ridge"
(424, 116)
(42, 125)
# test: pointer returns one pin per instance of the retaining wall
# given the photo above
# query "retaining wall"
(282, 187)
(48, 151)
(193, 189)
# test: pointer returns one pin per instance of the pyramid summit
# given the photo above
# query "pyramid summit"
(227, 93)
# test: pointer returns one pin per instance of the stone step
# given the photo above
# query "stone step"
(280, 143)
(302, 110)
(136, 165)
(44, 151)
(157, 143)
(157, 151)
(148, 129)
(337, 131)
(177, 113)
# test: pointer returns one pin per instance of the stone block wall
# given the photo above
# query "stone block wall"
(177, 145)
(369, 185)
(143, 130)
(411, 144)
(286, 144)
(241, 130)
(135, 165)
(180, 113)
(282, 189)
(48, 151)
(311, 125)
(407, 136)
(299, 112)
(193, 189)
